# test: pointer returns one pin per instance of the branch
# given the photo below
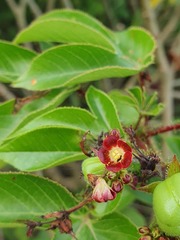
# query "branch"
(166, 80)
(170, 26)
(5, 93)
(163, 130)
(67, 4)
(34, 8)
(19, 11)
(166, 73)
(50, 5)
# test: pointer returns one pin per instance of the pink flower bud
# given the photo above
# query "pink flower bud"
(102, 192)
(117, 186)
(127, 179)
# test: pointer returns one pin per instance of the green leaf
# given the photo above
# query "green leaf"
(42, 148)
(173, 143)
(40, 106)
(136, 43)
(151, 105)
(8, 124)
(24, 196)
(173, 167)
(149, 188)
(127, 198)
(65, 117)
(103, 108)
(105, 208)
(7, 107)
(68, 65)
(135, 216)
(14, 61)
(110, 227)
(67, 26)
(136, 95)
(127, 112)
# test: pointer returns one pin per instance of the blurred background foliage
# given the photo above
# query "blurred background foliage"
(160, 17)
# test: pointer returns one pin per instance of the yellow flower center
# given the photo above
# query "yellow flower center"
(116, 154)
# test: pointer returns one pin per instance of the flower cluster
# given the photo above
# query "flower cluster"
(105, 190)
(114, 152)
(116, 155)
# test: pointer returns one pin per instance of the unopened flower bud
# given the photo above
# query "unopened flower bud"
(163, 238)
(65, 225)
(156, 232)
(146, 238)
(102, 192)
(92, 179)
(144, 230)
(127, 178)
(117, 186)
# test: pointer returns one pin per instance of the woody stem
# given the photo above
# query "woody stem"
(80, 205)
(163, 130)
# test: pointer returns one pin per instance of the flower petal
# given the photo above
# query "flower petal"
(114, 167)
(127, 159)
(103, 155)
(102, 192)
(124, 146)
(110, 141)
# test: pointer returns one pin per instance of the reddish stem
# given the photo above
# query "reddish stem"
(80, 205)
(163, 130)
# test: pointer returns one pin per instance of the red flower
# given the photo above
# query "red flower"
(114, 152)
(102, 192)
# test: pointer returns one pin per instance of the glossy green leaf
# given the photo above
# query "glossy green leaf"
(174, 143)
(135, 216)
(67, 26)
(68, 65)
(149, 188)
(42, 105)
(136, 43)
(105, 208)
(14, 61)
(65, 117)
(8, 124)
(110, 227)
(127, 198)
(151, 105)
(104, 109)
(24, 196)
(7, 107)
(173, 167)
(126, 109)
(42, 148)
(137, 95)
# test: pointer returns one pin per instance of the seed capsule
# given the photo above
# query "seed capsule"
(166, 204)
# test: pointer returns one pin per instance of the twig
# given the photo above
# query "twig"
(50, 5)
(109, 13)
(166, 80)
(163, 130)
(170, 26)
(80, 205)
(19, 11)
(34, 8)
(176, 94)
(5, 93)
(164, 67)
(67, 4)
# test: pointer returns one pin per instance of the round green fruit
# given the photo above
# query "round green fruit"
(92, 166)
(166, 204)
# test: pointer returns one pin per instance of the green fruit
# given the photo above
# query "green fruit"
(166, 204)
(92, 166)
